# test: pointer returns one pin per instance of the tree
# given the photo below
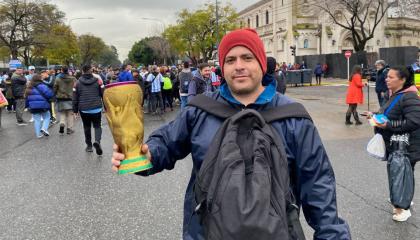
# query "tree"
(195, 33)
(91, 48)
(408, 8)
(61, 46)
(161, 49)
(360, 17)
(109, 57)
(22, 23)
(142, 53)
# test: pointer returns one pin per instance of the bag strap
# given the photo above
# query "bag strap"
(388, 109)
(219, 109)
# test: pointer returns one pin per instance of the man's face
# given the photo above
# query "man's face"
(19, 71)
(129, 67)
(242, 71)
(52, 71)
(379, 66)
(205, 72)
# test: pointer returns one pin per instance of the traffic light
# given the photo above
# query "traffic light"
(293, 50)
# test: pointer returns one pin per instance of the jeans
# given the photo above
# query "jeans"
(20, 107)
(12, 105)
(184, 101)
(157, 100)
(41, 121)
(167, 98)
(381, 98)
(88, 120)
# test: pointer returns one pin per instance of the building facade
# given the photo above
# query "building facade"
(283, 24)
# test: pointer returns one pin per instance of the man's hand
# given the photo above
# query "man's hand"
(117, 157)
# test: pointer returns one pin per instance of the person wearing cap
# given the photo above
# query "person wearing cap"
(31, 72)
(381, 87)
(243, 63)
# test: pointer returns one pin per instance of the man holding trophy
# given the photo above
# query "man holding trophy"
(243, 64)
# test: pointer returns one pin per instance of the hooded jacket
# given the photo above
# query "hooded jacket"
(18, 85)
(38, 98)
(380, 80)
(404, 118)
(312, 177)
(63, 87)
(199, 85)
(87, 93)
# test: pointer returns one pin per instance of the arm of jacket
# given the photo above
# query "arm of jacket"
(314, 181)
(192, 90)
(410, 106)
(46, 91)
(171, 142)
(76, 98)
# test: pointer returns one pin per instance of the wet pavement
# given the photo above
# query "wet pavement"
(51, 189)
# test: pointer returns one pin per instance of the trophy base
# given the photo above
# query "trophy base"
(134, 165)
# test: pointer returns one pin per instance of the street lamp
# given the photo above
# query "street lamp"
(81, 18)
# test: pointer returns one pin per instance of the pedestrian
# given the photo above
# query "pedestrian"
(49, 79)
(18, 90)
(125, 74)
(278, 75)
(7, 83)
(185, 77)
(87, 102)
(243, 63)
(404, 117)
(318, 73)
(354, 95)
(63, 90)
(381, 88)
(167, 92)
(156, 81)
(38, 97)
(201, 81)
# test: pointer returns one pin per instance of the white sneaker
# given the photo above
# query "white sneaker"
(402, 217)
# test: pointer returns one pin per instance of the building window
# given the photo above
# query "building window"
(267, 19)
(257, 24)
(305, 43)
(249, 22)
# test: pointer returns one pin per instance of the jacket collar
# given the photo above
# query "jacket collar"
(265, 97)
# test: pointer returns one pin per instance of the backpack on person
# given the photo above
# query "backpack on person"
(184, 79)
(242, 189)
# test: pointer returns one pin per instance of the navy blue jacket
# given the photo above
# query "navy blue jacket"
(312, 177)
(381, 76)
(39, 97)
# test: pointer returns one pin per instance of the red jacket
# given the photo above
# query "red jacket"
(355, 90)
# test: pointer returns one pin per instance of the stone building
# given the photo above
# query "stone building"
(285, 23)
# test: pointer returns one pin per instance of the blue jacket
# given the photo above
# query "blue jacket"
(312, 177)
(125, 76)
(318, 70)
(39, 97)
(380, 80)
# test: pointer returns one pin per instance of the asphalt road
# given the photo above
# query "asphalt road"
(51, 189)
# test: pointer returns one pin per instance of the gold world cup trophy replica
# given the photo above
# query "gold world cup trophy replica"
(125, 119)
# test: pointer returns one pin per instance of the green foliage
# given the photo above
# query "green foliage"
(195, 33)
(142, 53)
(109, 57)
(91, 48)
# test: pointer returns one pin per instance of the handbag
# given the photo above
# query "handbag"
(3, 100)
(376, 147)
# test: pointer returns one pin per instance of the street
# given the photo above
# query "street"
(52, 189)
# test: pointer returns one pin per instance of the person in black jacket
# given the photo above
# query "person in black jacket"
(87, 102)
(18, 90)
(381, 87)
(404, 117)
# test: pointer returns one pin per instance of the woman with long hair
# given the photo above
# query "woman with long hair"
(354, 95)
(38, 96)
(403, 113)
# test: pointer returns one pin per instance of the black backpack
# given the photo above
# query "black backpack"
(242, 188)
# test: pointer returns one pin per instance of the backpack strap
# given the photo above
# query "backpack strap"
(219, 109)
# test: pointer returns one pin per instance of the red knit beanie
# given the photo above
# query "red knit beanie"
(247, 38)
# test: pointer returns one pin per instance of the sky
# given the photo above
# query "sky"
(119, 22)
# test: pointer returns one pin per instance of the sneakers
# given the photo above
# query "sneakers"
(45, 132)
(402, 216)
(23, 123)
(98, 148)
(89, 149)
(61, 131)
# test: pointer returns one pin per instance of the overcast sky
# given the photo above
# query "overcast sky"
(119, 23)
